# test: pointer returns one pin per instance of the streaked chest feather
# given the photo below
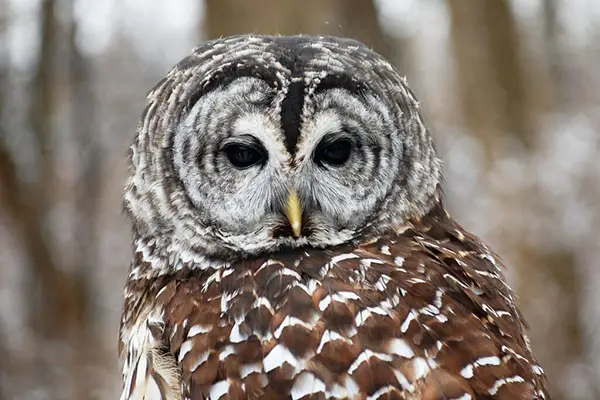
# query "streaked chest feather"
(413, 315)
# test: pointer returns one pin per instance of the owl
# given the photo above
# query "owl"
(290, 239)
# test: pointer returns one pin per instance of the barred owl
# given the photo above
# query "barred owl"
(290, 239)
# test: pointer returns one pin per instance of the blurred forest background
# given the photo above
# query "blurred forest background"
(511, 90)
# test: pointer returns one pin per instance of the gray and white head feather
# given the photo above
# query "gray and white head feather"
(286, 95)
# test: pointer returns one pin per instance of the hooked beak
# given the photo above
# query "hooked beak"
(293, 212)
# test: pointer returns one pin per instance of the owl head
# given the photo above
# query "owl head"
(257, 143)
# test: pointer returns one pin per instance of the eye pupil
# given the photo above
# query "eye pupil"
(242, 156)
(336, 153)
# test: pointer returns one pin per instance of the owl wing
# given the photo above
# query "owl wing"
(424, 313)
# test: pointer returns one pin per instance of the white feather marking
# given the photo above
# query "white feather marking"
(226, 298)
(381, 391)
(430, 309)
(342, 297)
(490, 259)
(406, 385)
(236, 336)
(411, 316)
(364, 356)
(514, 353)
(277, 356)
(197, 329)
(441, 318)
(263, 301)
(420, 367)
(362, 316)
(488, 274)
(227, 272)
(200, 360)
(324, 303)
(465, 396)
(329, 336)
(365, 313)
(492, 360)
(305, 384)
(385, 249)
(184, 349)
(215, 277)
(501, 382)
(174, 331)
(348, 389)
(248, 369)
(267, 264)
(366, 262)
(290, 272)
(161, 291)
(467, 372)
(382, 282)
(400, 347)
(218, 389)
(342, 257)
(348, 295)
(226, 352)
(394, 300)
(313, 284)
(290, 321)
(489, 310)
(438, 298)
(306, 288)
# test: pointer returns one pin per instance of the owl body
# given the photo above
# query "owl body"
(290, 239)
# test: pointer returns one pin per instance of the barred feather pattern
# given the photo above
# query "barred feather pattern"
(423, 312)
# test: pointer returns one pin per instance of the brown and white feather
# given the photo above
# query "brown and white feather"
(421, 313)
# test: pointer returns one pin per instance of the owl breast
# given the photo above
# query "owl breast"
(420, 313)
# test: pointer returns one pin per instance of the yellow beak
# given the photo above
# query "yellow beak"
(293, 211)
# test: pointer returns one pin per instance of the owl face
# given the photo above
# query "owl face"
(278, 142)
(231, 156)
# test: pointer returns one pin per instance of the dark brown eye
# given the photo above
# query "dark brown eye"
(334, 153)
(242, 156)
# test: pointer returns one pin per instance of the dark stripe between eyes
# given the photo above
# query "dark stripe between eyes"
(291, 113)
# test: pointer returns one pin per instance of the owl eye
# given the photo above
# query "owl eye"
(242, 156)
(335, 153)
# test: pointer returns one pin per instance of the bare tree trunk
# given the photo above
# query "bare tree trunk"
(478, 93)
(351, 18)
(505, 54)
(489, 71)
(496, 104)
(558, 340)
(87, 197)
(5, 368)
(55, 295)
(360, 21)
(553, 53)
(229, 17)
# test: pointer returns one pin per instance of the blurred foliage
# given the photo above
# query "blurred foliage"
(510, 89)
